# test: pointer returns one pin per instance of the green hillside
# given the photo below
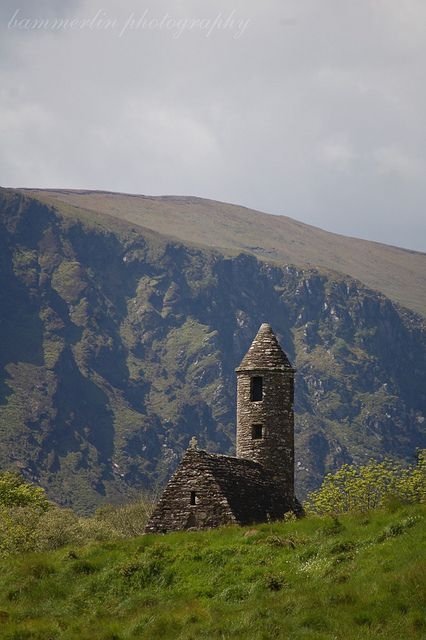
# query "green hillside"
(359, 576)
(119, 344)
(398, 273)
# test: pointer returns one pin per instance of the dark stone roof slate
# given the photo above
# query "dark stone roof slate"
(251, 494)
(265, 352)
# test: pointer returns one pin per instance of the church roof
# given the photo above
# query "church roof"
(250, 492)
(265, 352)
(236, 487)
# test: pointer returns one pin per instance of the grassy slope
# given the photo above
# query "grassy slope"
(398, 273)
(360, 577)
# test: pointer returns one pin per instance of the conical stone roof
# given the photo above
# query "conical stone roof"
(265, 352)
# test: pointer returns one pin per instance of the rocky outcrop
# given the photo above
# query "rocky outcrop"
(118, 346)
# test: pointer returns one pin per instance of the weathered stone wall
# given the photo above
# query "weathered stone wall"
(174, 511)
(228, 490)
(275, 449)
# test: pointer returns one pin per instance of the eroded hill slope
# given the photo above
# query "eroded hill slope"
(119, 344)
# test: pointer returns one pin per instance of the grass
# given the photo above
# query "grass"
(317, 578)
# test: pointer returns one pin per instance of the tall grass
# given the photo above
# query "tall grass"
(358, 576)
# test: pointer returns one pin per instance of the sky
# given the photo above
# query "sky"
(314, 109)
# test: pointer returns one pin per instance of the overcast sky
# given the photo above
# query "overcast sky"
(310, 108)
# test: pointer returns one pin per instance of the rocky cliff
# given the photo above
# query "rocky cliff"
(118, 344)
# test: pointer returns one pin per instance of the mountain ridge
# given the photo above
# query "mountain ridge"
(201, 199)
(395, 271)
(119, 344)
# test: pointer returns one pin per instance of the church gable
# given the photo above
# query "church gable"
(193, 499)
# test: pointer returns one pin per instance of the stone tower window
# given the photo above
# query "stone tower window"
(291, 390)
(193, 499)
(256, 389)
(258, 432)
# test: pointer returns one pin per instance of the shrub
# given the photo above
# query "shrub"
(16, 492)
(21, 506)
(17, 528)
(371, 486)
(60, 527)
(28, 522)
(127, 520)
(57, 528)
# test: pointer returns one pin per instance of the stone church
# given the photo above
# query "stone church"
(209, 490)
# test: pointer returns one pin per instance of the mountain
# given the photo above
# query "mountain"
(398, 273)
(119, 344)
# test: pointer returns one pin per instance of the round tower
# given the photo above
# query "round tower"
(265, 419)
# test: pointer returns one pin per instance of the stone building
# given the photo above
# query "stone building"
(209, 490)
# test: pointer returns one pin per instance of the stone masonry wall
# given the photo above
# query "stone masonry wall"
(174, 511)
(275, 450)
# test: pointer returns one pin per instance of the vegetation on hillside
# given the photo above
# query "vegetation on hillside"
(120, 345)
(370, 486)
(359, 576)
(398, 273)
(29, 522)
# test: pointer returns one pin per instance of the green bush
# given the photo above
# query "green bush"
(29, 522)
(15, 492)
(21, 506)
(61, 527)
(18, 527)
(372, 486)
(126, 520)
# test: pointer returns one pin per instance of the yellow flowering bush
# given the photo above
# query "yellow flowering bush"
(371, 486)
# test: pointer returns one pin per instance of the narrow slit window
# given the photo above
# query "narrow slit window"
(256, 394)
(291, 391)
(258, 432)
(193, 498)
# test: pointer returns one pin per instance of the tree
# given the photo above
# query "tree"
(21, 506)
(361, 488)
(16, 492)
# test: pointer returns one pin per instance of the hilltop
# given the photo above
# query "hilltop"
(398, 273)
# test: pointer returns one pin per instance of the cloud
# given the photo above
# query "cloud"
(394, 162)
(338, 155)
(316, 110)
